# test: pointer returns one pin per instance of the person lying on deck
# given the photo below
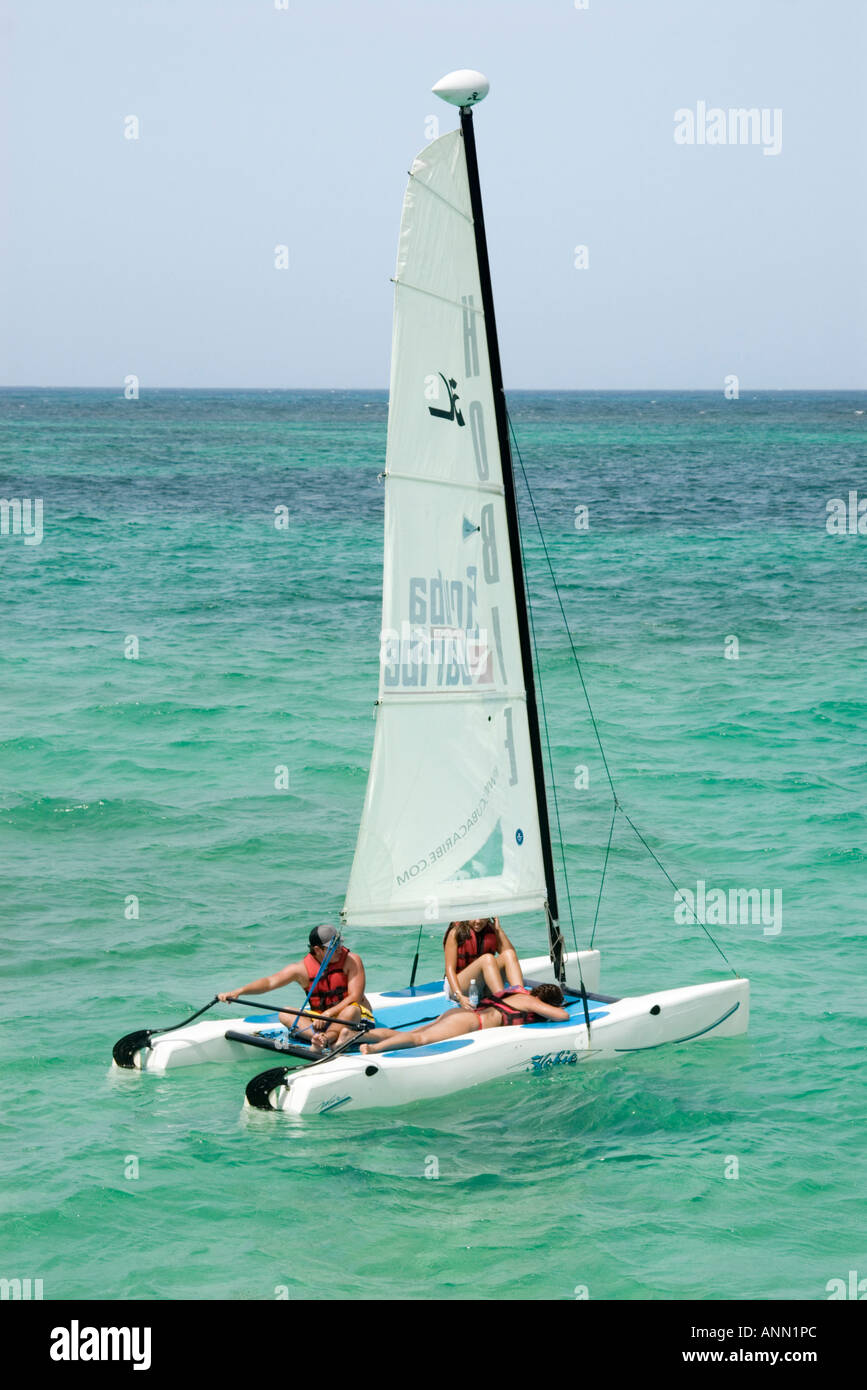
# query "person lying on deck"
(338, 998)
(479, 950)
(507, 1007)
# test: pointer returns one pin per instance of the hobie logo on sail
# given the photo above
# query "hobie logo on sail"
(432, 392)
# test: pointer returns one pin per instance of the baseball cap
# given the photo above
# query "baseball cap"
(321, 936)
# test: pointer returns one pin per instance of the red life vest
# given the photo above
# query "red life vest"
(333, 984)
(511, 1017)
(477, 944)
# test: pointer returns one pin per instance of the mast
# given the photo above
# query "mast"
(469, 138)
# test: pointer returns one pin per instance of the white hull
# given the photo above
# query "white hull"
(354, 1082)
(207, 1042)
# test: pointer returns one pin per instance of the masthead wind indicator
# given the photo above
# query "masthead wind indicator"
(465, 87)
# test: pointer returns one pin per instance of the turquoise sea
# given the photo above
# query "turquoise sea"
(153, 779)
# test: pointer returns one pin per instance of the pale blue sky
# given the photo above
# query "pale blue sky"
(262, 126)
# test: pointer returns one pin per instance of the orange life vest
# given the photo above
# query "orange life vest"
(477, 944)
(511, 1017)
(333, 984)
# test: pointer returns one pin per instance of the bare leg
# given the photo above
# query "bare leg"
(448, 1025)
(378, 1035)
(342, 1035)
(488, 968)
(332, 1036)
(511, 967)
(474, 971)
(491, 971)
(302, 1026)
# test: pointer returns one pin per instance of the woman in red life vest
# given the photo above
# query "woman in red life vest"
(338, 998)
(479, 950)
(506, 1008)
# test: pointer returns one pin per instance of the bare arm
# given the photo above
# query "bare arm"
(451, 955)
(356, 978)
(292, 974)
(504, 942)
(529, 1004)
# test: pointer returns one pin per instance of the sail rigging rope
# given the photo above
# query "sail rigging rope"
(553, 779)
(604, 867)
(547, 739)
(614, 796)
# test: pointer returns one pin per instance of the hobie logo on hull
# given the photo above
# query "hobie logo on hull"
(333, 1103)
(76, 1343)
(567, 1058)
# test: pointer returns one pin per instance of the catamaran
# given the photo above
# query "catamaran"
(455, 821)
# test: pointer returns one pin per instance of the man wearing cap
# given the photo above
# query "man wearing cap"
(336, 992)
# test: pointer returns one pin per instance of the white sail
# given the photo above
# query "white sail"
(450, 826)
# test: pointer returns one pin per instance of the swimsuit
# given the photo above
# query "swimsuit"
(511, 1017)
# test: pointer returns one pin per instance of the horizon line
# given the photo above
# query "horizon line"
(535, 390)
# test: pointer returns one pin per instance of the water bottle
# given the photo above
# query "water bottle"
(473, 994)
